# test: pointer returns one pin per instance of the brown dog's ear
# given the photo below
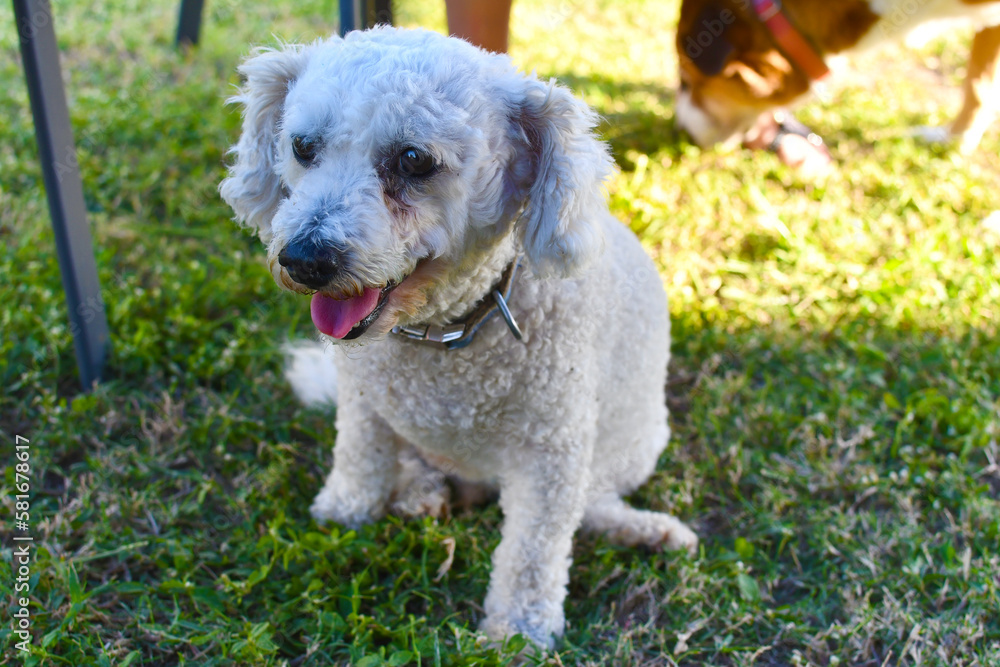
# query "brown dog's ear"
(723, 40)
(705, 40)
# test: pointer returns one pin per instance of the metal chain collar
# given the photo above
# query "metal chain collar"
(459, 334)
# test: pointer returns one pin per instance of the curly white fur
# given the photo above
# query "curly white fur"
(563, 423)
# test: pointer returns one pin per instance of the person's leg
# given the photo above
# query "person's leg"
(485, 23)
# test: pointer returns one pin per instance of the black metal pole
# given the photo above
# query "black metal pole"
(361, 14)
(189, 24)
(353, 15)
(63, 187)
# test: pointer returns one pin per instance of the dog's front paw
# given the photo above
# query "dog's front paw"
(680, 537)
(348, 510)
(498, 628)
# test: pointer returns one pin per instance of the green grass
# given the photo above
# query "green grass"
(835, 386)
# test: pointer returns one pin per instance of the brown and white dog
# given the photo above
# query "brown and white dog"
(742, 59)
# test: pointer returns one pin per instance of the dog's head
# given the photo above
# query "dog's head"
(730, 71)
(376, 166)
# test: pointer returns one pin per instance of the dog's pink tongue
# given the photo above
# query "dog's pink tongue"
(336, 318)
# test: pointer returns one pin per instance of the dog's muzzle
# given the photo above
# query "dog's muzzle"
(336, 312)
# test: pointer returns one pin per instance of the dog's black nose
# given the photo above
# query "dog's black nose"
(310, 263)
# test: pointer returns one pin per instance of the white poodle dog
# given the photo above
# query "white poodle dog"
(402, 178)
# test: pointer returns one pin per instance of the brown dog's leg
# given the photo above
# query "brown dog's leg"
(982, 90)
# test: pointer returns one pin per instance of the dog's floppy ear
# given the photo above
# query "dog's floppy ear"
(564, 166)
(253, 188)
(706, 40)
(724, 39)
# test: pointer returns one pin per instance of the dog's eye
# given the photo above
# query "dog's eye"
(415, 162)
(304, 149)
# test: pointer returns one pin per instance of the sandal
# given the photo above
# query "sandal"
(787, 125)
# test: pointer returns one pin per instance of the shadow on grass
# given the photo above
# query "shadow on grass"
(649, 129)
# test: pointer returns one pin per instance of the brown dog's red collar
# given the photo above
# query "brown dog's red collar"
(796, 47)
